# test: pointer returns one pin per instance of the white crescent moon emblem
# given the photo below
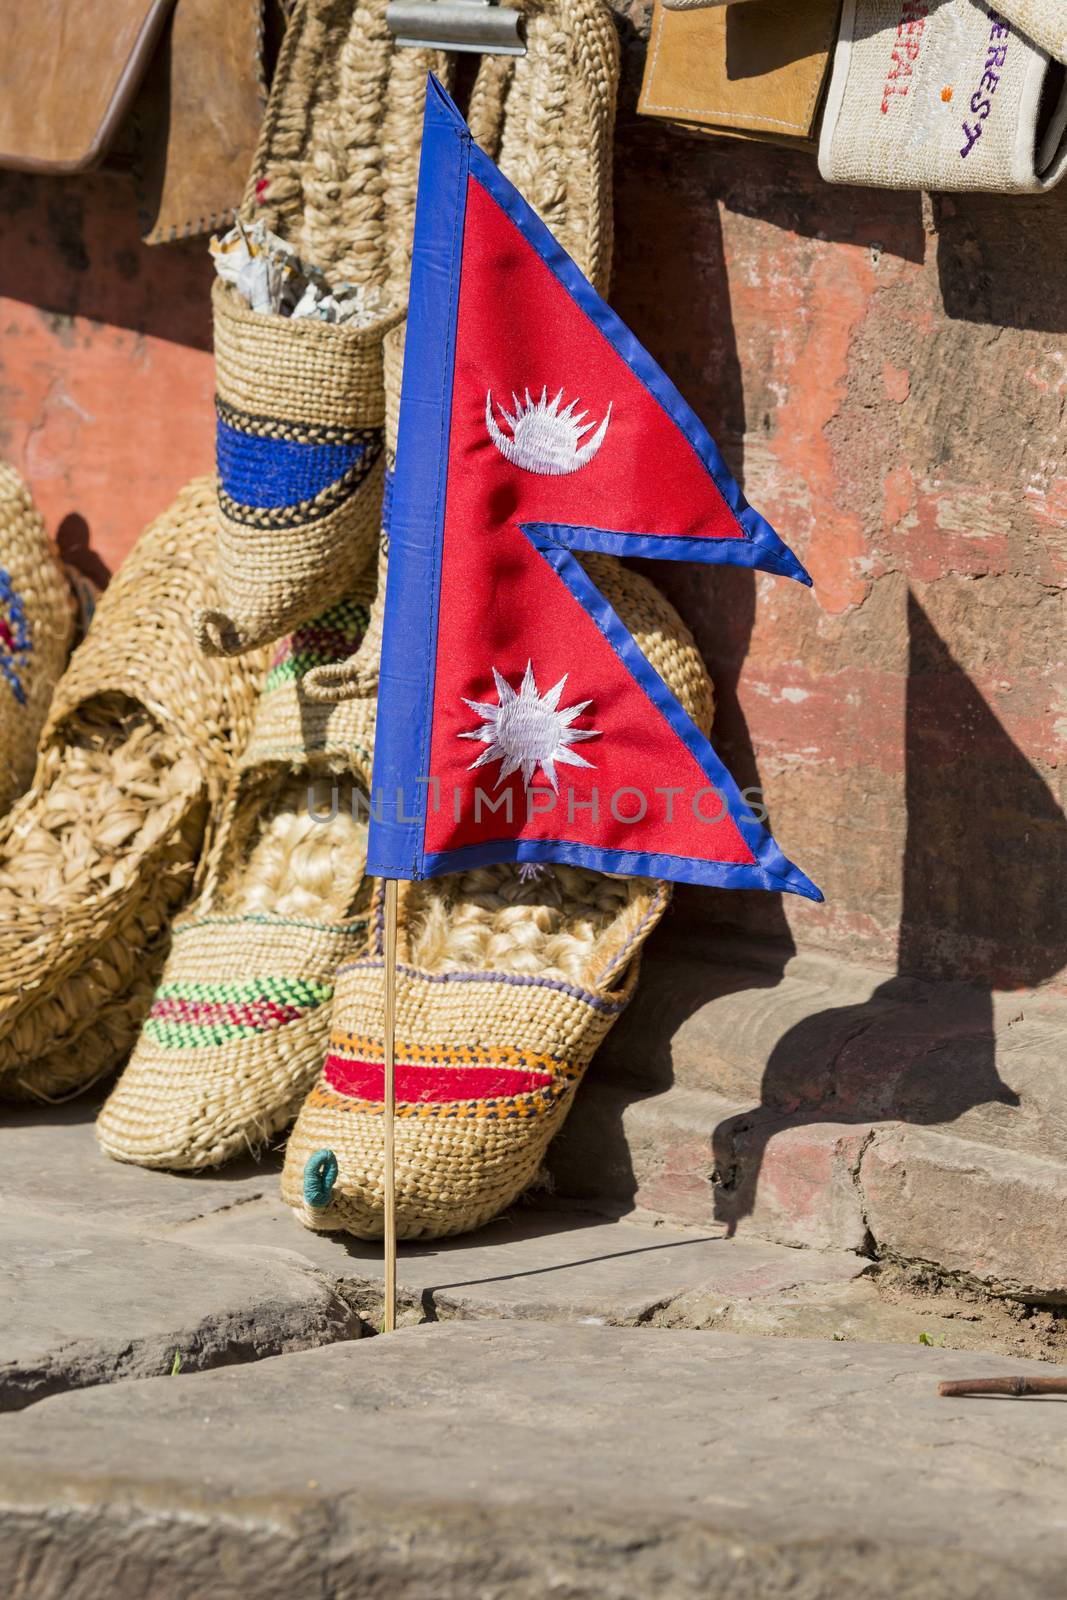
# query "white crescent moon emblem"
(545, 439)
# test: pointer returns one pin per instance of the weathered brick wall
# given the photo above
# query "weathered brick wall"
(885, 373)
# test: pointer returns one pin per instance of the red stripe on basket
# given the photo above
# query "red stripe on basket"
(365, 1080)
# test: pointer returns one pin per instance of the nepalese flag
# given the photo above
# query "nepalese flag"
(517, 718)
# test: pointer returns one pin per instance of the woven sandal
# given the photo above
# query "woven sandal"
(102, 850)
(300, 402)
(36, 626)
(238, 1025)
(506, 986)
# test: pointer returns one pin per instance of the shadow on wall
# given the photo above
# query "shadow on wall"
(984, 833)
(1000, 258)
(72, 247)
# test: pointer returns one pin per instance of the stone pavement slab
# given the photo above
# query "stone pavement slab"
(106, 1271)
(50, 1160)
(82, 1305)
(542, 1263)
(519, 1459)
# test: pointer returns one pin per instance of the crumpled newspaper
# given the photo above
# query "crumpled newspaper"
(271, 277)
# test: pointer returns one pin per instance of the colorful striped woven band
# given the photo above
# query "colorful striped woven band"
(332, 637)
(16, 644)
(444, 1080)
(190, 1015)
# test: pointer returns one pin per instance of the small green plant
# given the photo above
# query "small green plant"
(839, 1338)
(938, 1343)
(176, 1364)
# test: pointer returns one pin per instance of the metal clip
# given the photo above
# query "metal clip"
(474, 25)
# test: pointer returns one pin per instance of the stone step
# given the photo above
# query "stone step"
(996, 1216)
(766, 1096)
(847, 1042)
(519, 1459)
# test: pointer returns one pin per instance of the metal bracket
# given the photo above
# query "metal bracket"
(472, 25)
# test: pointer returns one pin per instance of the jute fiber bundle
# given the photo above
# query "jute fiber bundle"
(300, 402)
(942, 94)
(1043, 21)
(103, 848)
(237, 1027)
(36, 625)
(505, 988)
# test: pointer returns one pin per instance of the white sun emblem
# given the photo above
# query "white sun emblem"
(527, 730)
(543, 438)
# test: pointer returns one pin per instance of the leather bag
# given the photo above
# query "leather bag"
(755, 71)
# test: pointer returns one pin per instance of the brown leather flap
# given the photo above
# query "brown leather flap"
(69, 70)
(756, 70)
(197, 118)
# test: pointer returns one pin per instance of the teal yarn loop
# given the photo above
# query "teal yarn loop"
(320, 1175)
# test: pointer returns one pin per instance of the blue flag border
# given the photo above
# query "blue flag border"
(396, 847)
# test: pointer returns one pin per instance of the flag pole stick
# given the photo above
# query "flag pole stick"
(390, 1105)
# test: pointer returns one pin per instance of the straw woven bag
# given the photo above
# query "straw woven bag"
(237, 1027)
(36, 625)
(548, 120)
(102, 850)
(505, 989)
(300, 402)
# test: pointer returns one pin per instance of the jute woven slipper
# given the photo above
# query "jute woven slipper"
(300, 402)
(36, 625)
(505, 989)
(237, 1027)
(102, 850)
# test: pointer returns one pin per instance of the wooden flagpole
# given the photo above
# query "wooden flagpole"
(390, 1105)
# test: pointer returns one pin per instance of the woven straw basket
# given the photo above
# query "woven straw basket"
(36, 624)
(300, 402)
(505, 990)
(102, 850)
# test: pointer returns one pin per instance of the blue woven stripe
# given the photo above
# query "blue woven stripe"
(271, 473)
(387, 501)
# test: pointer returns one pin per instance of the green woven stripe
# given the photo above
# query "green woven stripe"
(286, 991)
(295, 666)
(190, 1036)
(346, 621)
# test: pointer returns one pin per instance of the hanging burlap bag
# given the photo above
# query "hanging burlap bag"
(1043, 21)
(300, 402)
(36, 625)
(941, 94)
